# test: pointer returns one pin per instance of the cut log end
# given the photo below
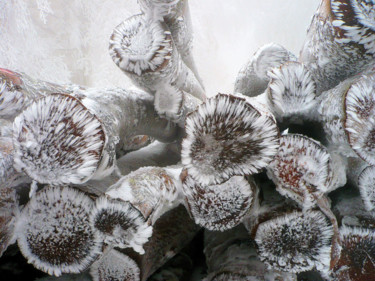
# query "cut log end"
(54, 233)
(227, 136)
(139, 46)
(57, 140)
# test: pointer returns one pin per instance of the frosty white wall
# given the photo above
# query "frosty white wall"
(73, 44)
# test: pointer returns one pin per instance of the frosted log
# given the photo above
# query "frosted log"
(176, 14)
(341, 33)
(253, 78)
(143, 48)
(73, 138)
(171, 233)
(125, 214)
(303, 170)
(226, 136)
(54, 234)
(296, 242)
(346, 112)
(220, 206)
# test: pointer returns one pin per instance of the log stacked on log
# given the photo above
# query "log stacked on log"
(122, 215)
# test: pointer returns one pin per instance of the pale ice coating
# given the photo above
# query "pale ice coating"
(291, 89)
(301, 169)
(219, 207)
(57, 140)
(360, 120)
(120, 224)
(140, 45)
(227, 136)
(114, 265)
(295, 242)
(53, 231)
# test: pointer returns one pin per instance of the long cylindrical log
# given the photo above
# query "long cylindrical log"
(73, 138)
(176, 14)
(143, 48)
(171, 232)
(341, 33)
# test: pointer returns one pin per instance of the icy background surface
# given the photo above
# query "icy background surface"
(60, 43)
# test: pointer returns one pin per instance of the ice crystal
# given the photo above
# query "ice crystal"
(120, 224)
(115, 266)
(54, 233)
(221, 206)
(227, 136)
(360, 120)
(295, 242)
(57, 140)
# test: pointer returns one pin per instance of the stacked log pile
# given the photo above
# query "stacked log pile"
(280, 173)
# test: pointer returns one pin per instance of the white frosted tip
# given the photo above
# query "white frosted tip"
(356, 261)
(168, 101)
(227, 136)
(139, 45)
(120, 224)
(269, 56)
(58, 140)
(54, 232)
(366, 186)
(219, 207)
(360, 118)
(291, 89)
(301, 169)
(295, 242)
(114, 265)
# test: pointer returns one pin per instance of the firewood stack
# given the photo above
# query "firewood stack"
(280, 173)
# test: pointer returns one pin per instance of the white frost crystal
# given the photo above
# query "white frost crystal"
(57, 140)
(54, 233)
(221, 206)
(227, 136)
(114, 266)
(295, 242)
